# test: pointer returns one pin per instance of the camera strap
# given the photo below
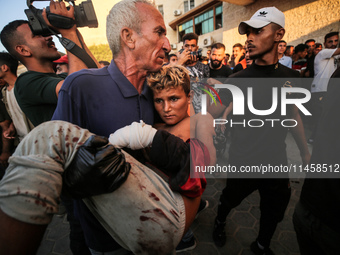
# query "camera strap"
(68, 44)
(78, 52)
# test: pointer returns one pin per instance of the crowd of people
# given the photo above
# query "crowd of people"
(64, 125)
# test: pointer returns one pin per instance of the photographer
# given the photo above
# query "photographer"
(189, 57)
(37, 90)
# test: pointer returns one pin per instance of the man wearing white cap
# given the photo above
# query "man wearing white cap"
(262, 145)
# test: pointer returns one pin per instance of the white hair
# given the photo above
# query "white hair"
(123, 14)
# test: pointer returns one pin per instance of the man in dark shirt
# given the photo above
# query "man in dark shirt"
(310, 58)
(189, 59)
(37, 89)
(254, 146)
(217, 55)
(299, 59)
(316, 216)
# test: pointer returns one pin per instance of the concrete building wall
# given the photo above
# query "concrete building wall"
(169, 8)
(217, 36)
(305, 19)
(96, 36)
(102, 7)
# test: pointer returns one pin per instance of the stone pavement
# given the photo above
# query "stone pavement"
(242, 222)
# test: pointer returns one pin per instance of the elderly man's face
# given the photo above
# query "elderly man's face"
(152, 42)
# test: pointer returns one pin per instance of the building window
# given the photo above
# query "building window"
(203, 23)
(218, 17)
(161, 10)
(185, 28)
(188, 5)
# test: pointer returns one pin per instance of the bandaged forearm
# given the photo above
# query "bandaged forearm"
(135, 136)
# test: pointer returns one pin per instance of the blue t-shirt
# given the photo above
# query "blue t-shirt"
(102, 101)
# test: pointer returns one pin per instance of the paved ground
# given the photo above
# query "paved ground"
(242, 223)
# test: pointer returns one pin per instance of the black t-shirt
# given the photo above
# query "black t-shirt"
(237, 68)
(265, 144)
(223, 72)
(322, 196)
(310, 66)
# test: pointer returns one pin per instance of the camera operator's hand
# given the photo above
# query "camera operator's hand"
(59, 8)
(184, 58)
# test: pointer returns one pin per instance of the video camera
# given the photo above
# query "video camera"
(84, 14)
(198, 53)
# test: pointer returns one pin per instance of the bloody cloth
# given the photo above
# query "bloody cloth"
(171, 155)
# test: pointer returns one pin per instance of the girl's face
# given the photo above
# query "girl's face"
(171, 104)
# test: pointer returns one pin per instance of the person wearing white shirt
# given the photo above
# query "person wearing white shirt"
(325, 64)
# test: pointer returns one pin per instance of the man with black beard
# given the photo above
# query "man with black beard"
(217, 69)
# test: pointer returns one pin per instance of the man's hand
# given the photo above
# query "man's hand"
(185, 58)
(59, 8)
(10, 132)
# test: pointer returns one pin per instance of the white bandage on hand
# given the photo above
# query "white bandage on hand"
(135, 136)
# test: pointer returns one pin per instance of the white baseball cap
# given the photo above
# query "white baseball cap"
(262, 18)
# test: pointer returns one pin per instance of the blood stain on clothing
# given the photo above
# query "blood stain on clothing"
(159, 211)
(174, 213)
(151, 248)
(152, 195)
(144, 218)
(75, 139)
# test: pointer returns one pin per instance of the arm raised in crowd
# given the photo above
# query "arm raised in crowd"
(75, 64)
